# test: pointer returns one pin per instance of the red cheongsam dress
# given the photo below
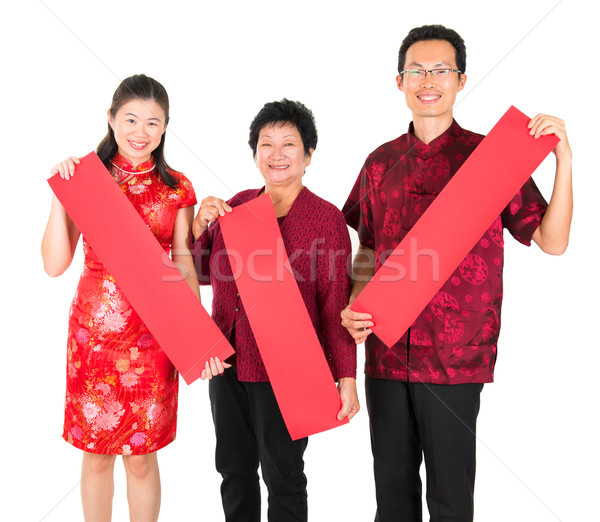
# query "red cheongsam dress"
(121, 388)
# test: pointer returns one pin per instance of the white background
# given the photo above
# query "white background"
(220, 62)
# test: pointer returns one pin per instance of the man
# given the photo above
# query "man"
(423, 393)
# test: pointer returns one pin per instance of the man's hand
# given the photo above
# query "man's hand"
(358, 324)
(543, 125)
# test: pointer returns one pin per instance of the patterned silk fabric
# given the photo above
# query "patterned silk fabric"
(121, 388)
(454, 339)
(317, 243)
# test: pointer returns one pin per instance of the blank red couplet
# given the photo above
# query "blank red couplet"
(453, 223)
(286, 338)
(141, 267)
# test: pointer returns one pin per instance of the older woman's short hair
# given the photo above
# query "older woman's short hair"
(282, 112)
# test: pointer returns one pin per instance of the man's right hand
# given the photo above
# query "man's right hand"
(358, 324)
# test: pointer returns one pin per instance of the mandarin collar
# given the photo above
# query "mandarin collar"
(123, 163)
(444, 140)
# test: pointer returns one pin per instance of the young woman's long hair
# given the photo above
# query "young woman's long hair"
(138, 87)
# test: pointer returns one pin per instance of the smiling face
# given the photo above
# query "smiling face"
(280, 155)
(431, 97)
(138, 127)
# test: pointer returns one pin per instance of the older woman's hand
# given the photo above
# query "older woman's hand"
(210, 209)
(347, 391)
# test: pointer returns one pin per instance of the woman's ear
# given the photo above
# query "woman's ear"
(110, 120)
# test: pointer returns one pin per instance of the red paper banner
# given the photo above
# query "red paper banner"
(141, 268)
(453, 223)
(286, 338)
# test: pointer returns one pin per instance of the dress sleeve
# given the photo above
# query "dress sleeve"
(186, 191)
(333, 291)
(358, 210)
(524, 213)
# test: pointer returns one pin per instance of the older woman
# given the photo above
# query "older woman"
(248, 423)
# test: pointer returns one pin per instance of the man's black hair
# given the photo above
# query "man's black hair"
(434, 32)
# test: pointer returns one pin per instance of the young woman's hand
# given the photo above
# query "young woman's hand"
(65, 168)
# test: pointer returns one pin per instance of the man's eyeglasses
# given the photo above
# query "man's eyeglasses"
(419, 74)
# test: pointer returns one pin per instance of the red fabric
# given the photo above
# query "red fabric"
(312, 232)
(121, 388)
(454, 339)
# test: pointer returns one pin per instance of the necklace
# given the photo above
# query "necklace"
(129, 172)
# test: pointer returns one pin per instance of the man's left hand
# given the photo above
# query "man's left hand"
(543, 124)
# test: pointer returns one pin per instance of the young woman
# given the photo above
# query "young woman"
(121, 388)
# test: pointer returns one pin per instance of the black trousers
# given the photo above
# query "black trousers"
(250, 430)
(412, 420)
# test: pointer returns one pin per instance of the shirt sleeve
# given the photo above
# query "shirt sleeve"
(333, 291)
(201, 250)
(351, 209)
(523, 215)
(358, 209)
